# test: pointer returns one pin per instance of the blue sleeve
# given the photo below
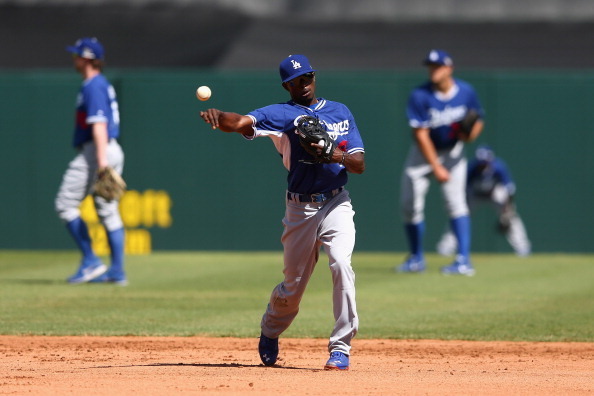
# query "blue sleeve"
(474, 103)
(269, 118)
(416, 110)
(504, 174)
(97, 102)
(354, 140)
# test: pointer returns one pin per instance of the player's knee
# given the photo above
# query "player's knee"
(410, 212)
(65, 212)
(109, 216)
(457, 209)
(112, 222)
(286, 295)
(412, 216)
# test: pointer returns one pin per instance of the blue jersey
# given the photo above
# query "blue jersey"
(431, 109)
(96, 102)
(279, 121)
(483, 176)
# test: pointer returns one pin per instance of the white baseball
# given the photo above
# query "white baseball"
(203, 93)
(322, 142)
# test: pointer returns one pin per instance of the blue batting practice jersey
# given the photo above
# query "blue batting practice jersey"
(279, 122)
(483, 176)
(428, 108)
(96, 102)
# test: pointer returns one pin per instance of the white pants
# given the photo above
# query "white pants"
(415, 183)
(308, 226)
(78, 182)
(515, 235)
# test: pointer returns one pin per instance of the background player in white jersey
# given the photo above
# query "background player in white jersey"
(95, 139)
(318, 207)
(434, 111)
(490, 182)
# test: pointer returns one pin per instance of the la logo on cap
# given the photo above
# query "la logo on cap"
(296, 65)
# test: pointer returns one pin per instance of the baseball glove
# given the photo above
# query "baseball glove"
(109, 184)
(464, 126)
(310, 131)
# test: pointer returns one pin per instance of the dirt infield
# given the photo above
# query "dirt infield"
(231, 366)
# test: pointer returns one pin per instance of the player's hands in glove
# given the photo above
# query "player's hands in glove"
(109, 184)
(315, 139)
(463, 128)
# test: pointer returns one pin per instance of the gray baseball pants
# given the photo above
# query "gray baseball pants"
(78, 182)
(307, 227)
(415, 184)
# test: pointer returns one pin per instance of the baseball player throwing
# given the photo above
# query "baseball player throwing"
(436, 111)
(318, 207)
(95, 133)
(489, 182)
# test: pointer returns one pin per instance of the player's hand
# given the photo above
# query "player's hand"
(441, 174)
(337, 154)
(318, 147)
(211, 116)
(102, 164)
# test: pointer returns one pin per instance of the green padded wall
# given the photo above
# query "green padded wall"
(194, 188)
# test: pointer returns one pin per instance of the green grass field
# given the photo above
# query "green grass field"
(538, 298)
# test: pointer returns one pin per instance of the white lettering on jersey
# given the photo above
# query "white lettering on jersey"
(337, 128)
(115, 110)
(447, 116)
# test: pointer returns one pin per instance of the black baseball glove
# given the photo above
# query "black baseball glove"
(464, 126)
(310, 131)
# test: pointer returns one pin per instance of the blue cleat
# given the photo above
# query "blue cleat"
(268, 348)
(412, 264)
(118, 278)
(461, 266)
(88, 270)
(337, 361)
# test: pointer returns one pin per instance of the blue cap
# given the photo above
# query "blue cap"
(294, 66)
(438, 57)
(87, 47)
(484, 153)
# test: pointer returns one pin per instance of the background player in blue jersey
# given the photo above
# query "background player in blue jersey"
(490, 182)
(433, 111)
(318, 207)
(95, 139)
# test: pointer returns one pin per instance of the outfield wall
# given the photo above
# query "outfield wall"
(194, 188)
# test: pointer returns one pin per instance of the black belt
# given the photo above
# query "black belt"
(317, 197)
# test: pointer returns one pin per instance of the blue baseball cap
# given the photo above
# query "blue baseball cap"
(294, 66)
(87, 47)
(484, 153)
(438, 57)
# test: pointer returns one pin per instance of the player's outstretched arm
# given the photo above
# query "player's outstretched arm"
(228, 121)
